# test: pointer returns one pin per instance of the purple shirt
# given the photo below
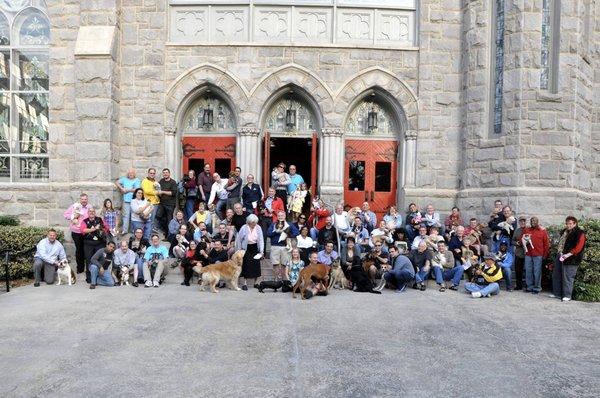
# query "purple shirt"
(325, 258)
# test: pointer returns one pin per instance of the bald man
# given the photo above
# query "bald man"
(127, 185)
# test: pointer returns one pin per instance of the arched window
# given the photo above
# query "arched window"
(370, 117)
(290, 115)
(209, 114)
(24, 85)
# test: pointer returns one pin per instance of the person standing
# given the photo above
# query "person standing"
(571, 248)
(252, 193)
(75, 214)
(234, 189)
(205, 181)
(48, 255)
(139, 209)
(127, 186)
(536, 245)
(280, 180)
(151, 189)
(295, 180)
(94, 237)
(219, 192)
(519, 253)
(250, 239)
(191, 193)
(168, 198)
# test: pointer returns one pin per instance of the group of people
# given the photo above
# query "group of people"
(218, 216)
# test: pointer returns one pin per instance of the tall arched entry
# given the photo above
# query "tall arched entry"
(372, 163)
(209, 133)
(290, 123)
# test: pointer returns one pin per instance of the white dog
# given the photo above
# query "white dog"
(526, 241)
(506, 225)
(65, 271)
(124, 276)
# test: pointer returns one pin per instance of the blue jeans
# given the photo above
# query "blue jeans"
(533, 273)
(455, 275)
(145, 226)
(507, 274)
(422, 275)
(126, 216)
(492, 288)
(398, 277)
(105, 280)
(220, 208)
(189, 207)
(139, 262)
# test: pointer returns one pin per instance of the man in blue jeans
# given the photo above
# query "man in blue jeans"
(402, 271)
(421, 259)
(487, 276)
(506, 259)
(536, 245)
(445, 268)
(99, 266)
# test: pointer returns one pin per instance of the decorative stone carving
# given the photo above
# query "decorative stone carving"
(272, 24)
(312, 25)
(231, 24)
(13, 5)
(410, 135)
(332, 132)
(394, 27)
(191, 24)
(249, 132)
(354, 26)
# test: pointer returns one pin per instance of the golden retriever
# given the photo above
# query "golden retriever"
(229, 270)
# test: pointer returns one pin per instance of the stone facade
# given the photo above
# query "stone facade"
(120, 86)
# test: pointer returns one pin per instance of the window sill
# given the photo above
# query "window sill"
(547, 96)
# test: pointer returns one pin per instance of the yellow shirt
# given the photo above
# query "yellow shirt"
(149, 191)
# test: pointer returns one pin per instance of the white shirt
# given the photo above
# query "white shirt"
(341, 221)
(217, 189)
(304, 243)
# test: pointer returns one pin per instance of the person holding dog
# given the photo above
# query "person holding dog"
(50, 252)
(75, 214)
(153, 262)
(100, 264)
(486, 279)
(445, 269)
(401, 272)
(571, 248)
(94, 237)
(280, 232)
(126, 258)
(421, 260)
(140, 206)
(536, 245)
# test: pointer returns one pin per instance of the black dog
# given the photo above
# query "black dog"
(270, 285)
(362, 282)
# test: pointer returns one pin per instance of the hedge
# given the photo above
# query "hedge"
(9, 220)
(21, 242)
(587, 281)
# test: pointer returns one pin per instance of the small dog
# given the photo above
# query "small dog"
(275, 285)
(65, 271)
(122, 275)
(337, 276)
(229, 270)
(506, 225)
(316, 272)
(526, 241)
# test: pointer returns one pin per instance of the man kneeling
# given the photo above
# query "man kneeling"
(49, 252)
(486, 279)
(100, 266)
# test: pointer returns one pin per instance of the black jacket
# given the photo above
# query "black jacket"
(570, 243)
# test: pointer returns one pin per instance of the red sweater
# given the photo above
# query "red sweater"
(540, 241)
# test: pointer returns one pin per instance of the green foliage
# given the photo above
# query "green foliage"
(9, 220)
(21, 242)
(587, 281)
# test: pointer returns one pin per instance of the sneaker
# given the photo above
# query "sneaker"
(148, 284)
(36, 284)
(454, 287)
(553, 296)
(565, 299)
(510, 289)
(423, 287)
(401, 289)
(245, 287)
(134, 284)
(92, 287)
(155, 284)
(476, 294)
(442, 288)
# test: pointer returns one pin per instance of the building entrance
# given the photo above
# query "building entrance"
(301, 152)
(219, 152)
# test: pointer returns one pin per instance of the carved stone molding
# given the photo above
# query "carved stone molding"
(249, 131)
(332, 132)
(410, 135)
(170, 131)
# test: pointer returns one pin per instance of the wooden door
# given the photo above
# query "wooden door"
(371, 174)
(219, 152)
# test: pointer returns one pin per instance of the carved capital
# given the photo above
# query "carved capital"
(170, 131)
(410, 135)
(330, 132)
(249, 131)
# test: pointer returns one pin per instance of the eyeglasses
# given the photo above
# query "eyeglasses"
(301, 218)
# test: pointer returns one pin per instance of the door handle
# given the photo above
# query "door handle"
(366, 196)
(372, 196)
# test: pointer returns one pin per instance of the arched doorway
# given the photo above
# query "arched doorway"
(371, 159)
(290, 125)
(209, 134)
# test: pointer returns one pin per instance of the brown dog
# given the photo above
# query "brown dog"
(316, 272)
(228, 270)
(337, 276)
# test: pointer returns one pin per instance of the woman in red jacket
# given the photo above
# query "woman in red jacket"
(570, 253)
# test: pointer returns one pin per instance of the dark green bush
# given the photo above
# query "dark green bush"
(9, 220)
(21, 242)
(587, 281)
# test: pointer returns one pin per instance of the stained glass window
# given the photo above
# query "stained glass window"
(358, 120)
(290, 115)
(550, 45)
(498, 66)
(209, 114)
(24, 85)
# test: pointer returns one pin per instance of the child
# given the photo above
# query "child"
(111, 217)
(297, 201)
(486, 279)
(293, 267)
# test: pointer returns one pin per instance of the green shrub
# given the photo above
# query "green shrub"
(9, 220)
(21, 242)
(587, 281)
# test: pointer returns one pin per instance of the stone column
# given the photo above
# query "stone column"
(248, 153)
(172, 153)
(407, 167)
(331, 165)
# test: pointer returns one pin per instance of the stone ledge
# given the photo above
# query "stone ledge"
(95, 41)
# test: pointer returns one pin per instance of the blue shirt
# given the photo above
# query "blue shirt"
(128, 183)
(157, 253)
(296, 180)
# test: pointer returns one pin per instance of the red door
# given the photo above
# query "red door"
(219, 152)
(371, 174)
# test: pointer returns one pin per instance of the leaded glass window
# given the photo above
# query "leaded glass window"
(24, 85)
(290, 115)
(209, 114)
(550, 45)
(357, 122)
(498, 66)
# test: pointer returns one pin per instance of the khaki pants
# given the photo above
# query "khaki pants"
(160, 269)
